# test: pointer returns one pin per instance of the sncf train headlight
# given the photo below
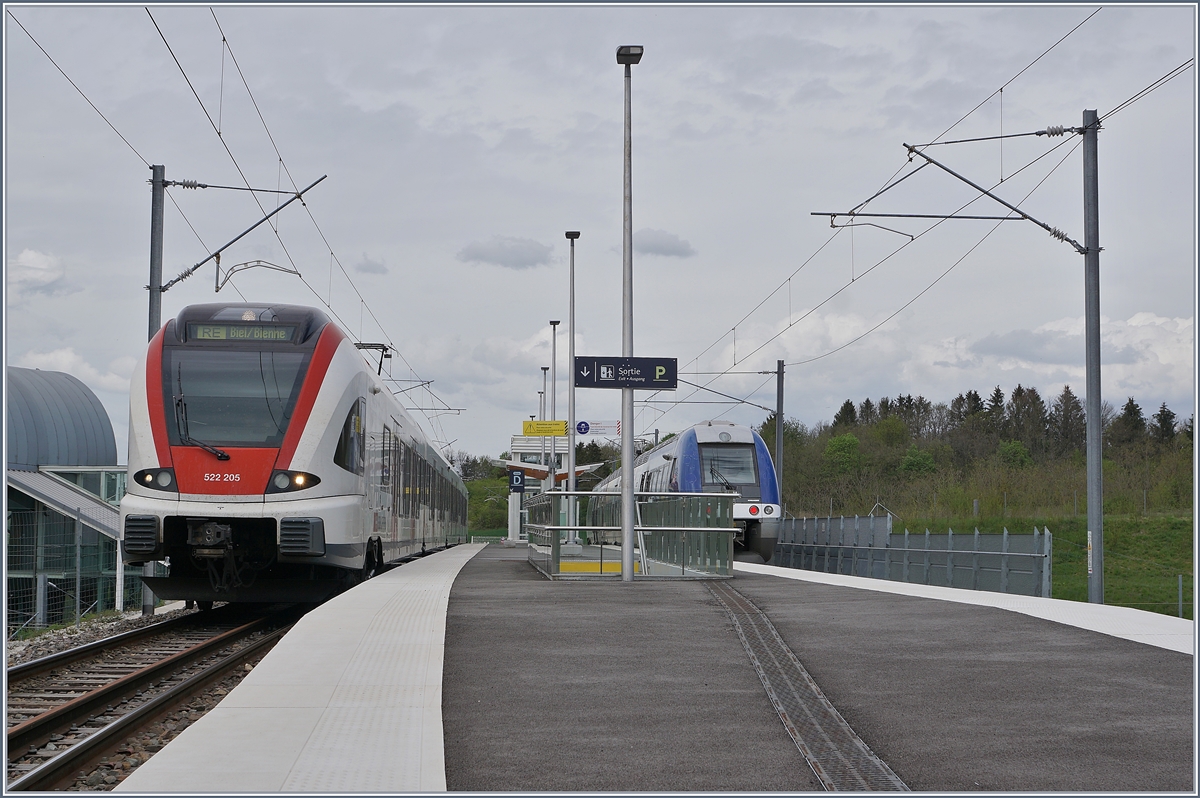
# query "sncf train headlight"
(156, 478)
(287, 481)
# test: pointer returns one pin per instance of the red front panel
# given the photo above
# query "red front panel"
(245, 472)
(331, 336)
(154, 398)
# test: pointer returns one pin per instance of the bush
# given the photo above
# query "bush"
(1014, 454)
(841, 454)
(917, 462)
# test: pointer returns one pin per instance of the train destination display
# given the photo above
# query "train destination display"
(240, 332)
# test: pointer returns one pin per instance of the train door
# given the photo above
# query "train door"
(387, 519)
(374, 444)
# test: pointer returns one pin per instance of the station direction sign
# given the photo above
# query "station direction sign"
(646, 373)
(544, 429)
(609, 429)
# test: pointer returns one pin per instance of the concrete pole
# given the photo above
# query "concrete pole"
(157, 194)
(1091, 241)
(542, 417)
(779, 429)
(628, 510)
(573, 504)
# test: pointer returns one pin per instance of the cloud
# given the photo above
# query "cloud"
(33, 272)
(115, 379)
(660, 242)
(370, 266)
(511, 253)
(1042, 346)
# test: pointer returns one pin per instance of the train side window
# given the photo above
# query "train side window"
(385, 470)
(405, 478)
(349, 451)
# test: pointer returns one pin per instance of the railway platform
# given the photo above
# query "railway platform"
(469, 671)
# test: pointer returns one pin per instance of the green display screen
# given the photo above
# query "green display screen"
(240, 332)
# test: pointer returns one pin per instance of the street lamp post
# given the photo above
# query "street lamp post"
(542, 417)
(627, 55)
(553, 395)
(573, 502)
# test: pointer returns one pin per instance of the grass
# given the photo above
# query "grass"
(1144, 555)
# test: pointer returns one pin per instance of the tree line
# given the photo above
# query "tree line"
(1014, 452)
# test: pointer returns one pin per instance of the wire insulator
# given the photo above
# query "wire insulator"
(1058, 234)
(190, 184)
(1052, 130)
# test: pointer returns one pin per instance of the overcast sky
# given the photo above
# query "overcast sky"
(461, 142)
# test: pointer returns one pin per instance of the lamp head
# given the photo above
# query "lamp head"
(555, 323)
(572, 234)
(630, 53)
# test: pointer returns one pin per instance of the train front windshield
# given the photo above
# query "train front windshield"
(230, 397)
(728, 464)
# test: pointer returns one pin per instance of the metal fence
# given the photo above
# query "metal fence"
(60, 570)
(686, 536)
(867, 546)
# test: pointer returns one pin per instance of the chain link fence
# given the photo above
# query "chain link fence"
(60, 570)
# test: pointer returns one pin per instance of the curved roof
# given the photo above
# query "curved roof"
(54, 419)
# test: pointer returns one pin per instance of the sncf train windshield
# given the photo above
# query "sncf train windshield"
(227, 397)
(728, 464)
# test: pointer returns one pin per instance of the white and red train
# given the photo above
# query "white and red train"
(269, 462)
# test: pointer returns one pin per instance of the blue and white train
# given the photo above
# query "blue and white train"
(716, 457)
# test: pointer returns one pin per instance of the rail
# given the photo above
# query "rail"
(59, 770)
(676, 535)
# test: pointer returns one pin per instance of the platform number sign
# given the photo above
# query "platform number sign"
(516, 481)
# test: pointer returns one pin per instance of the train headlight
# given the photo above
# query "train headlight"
(288, 481)
(156, 478)
(754, 509)
(768, 509)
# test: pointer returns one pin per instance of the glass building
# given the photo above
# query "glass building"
(62, 501)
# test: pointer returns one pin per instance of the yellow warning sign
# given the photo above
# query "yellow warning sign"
(544, 429)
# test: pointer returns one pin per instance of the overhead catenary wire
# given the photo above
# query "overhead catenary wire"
(932, 284)
(879, 263)
(76, 87)
(1174, 73)
(108, 122)
(885, 187)
(327, 302)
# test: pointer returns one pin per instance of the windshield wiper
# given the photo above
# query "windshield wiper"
(713, 470)
(181, 423)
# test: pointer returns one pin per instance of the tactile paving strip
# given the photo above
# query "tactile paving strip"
(839, 758)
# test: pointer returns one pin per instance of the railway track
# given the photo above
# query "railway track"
(69, 710)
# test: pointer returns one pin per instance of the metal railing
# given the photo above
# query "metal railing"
(867, 546)
(59, 569)
(676, 535)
